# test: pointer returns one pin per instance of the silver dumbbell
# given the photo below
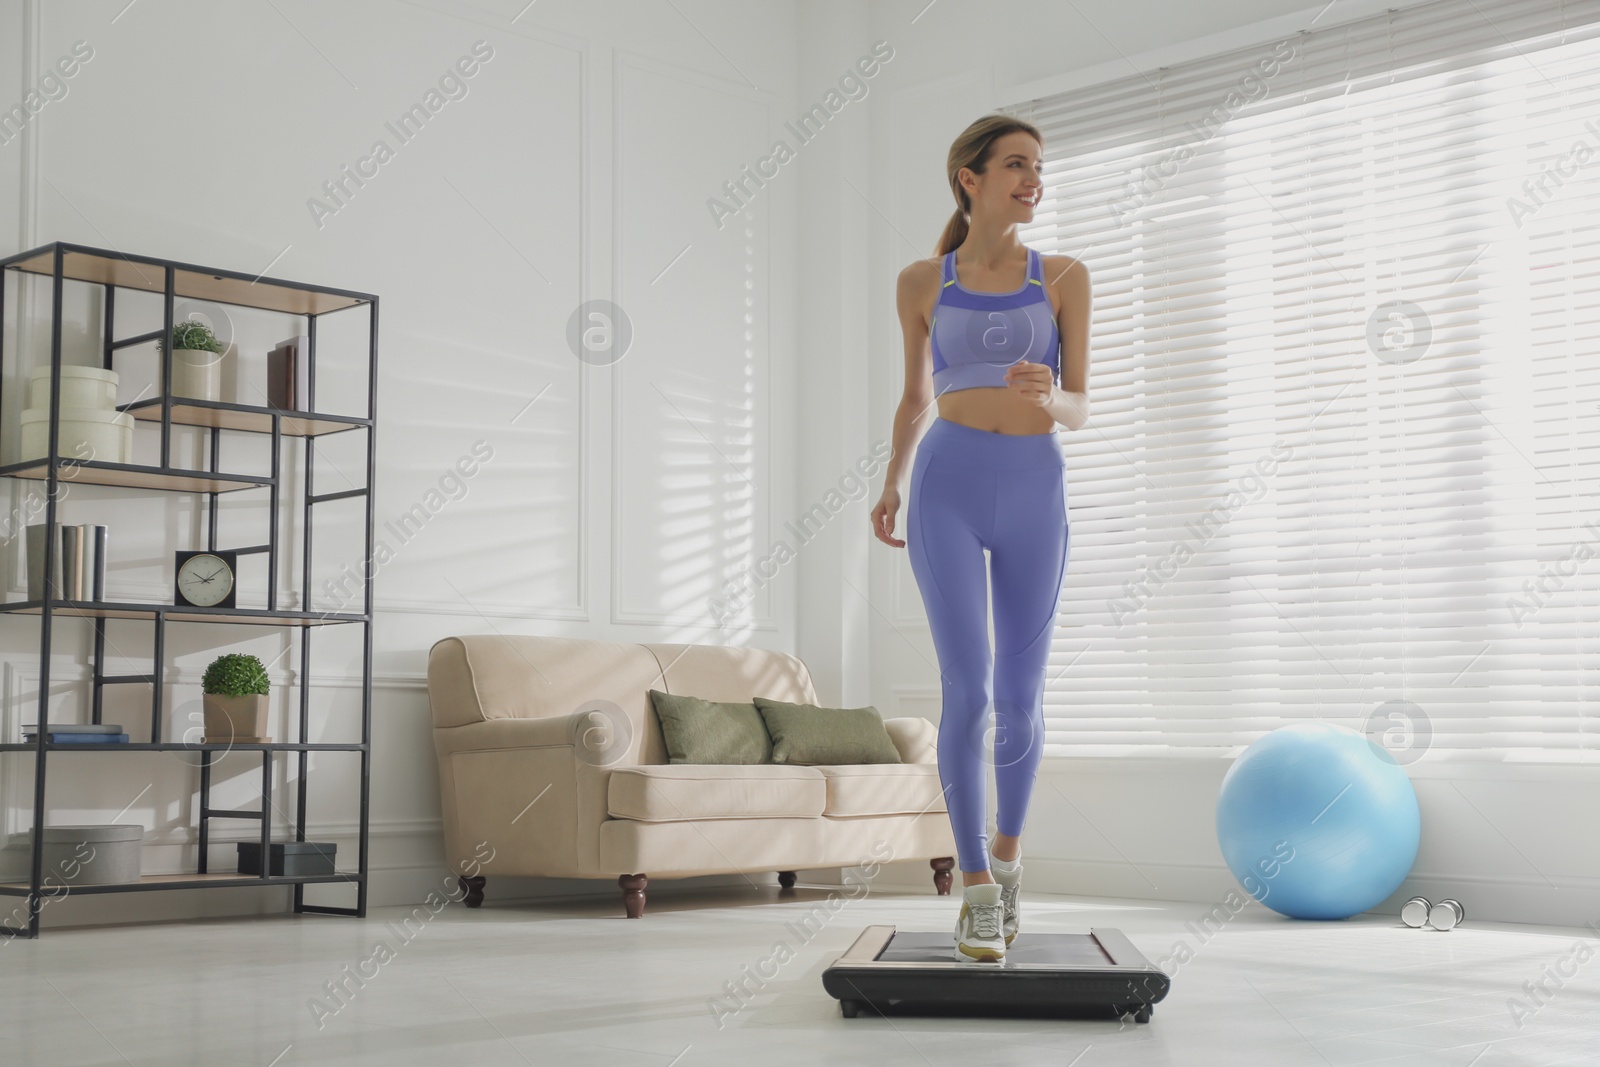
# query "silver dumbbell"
(1445, 915)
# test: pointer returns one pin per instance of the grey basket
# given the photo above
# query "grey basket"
(92, 855)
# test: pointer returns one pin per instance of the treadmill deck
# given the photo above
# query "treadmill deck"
(913, 972)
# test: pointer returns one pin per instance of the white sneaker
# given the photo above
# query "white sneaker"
(978, 936)
(1010, 898)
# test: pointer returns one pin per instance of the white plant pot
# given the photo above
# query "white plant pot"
(86, 433)
(197, 373)
(81, 387)
(230, 719)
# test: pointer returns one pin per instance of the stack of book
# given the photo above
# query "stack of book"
(92, 733)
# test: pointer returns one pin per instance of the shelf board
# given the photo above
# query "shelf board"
(190, 280)
(134, 476)
(186, 881)
(91, 609)
(225, 416)
(179, 746)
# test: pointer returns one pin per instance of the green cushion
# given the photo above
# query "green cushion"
(808, 735)
(709, 731)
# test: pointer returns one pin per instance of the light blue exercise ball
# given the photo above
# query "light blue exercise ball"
(1318, 822)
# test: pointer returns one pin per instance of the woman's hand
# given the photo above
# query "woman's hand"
(1034, 381)
(883, 516)
(1037, 385)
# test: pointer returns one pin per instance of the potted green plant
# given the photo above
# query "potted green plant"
(196, 360)
(235, 699)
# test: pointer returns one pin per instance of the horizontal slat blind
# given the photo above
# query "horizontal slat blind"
(1345, 367)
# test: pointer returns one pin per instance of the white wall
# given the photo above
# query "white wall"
(578, 167)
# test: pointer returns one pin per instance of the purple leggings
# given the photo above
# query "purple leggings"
(973, 490)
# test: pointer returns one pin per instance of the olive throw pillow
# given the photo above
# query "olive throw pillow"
(811, 736)
(709, 731)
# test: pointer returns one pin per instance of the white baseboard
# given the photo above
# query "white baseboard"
(1501, 900)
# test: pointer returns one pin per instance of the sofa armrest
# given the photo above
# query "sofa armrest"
(915, 737)
(530, 793)
(592, 736)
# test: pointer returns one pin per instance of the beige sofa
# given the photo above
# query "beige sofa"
(551, 763)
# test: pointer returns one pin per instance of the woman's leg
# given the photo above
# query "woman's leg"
(1027, 562)
(947, 518)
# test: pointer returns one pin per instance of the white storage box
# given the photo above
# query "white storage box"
(81, 387)
(86, 433)
(92, 855)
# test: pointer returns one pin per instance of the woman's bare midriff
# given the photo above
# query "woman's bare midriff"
(997, 410)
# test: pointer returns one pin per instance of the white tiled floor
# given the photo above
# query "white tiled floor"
(575, 983)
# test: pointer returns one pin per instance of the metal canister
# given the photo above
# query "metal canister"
(75, 573)
(95, 544)
(1447, 914)
(1414, 912)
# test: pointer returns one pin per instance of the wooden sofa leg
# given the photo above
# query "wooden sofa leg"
(786, 879)
(633, 893)
(472, 888)
(941, 873)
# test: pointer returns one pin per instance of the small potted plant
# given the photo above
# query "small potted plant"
(196, 360)
(235, 699)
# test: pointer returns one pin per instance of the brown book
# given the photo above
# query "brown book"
(280, 378)
(289, 374)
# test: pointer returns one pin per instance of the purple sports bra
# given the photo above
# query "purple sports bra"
(976, 336)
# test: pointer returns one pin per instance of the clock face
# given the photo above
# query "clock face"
(205, 580)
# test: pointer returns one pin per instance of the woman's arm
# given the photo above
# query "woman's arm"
(915, 293)
(1069, 409)
(1067, 403)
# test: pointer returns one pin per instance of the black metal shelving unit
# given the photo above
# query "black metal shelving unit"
(112, 270)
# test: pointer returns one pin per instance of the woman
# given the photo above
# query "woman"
(997, 336)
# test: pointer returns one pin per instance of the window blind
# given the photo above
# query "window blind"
(1345, 366)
